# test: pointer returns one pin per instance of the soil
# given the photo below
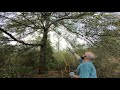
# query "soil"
(53, 74)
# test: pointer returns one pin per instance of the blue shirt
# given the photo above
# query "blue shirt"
(86, 70)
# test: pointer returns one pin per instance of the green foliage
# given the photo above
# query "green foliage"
(17, 63)
(107, 55)
(65, 56)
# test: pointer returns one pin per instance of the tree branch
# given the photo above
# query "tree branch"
(78, 34)
(31, 21)
(69, 17)
(18, 22)
(65, 39)
(10, 35)
(110, 35)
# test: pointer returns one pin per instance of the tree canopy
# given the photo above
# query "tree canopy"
(31, 30)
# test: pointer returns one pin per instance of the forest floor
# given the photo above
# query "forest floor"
(53, 74)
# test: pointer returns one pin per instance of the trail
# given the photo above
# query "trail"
(52, 74)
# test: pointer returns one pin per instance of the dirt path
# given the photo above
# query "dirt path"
(52, 74)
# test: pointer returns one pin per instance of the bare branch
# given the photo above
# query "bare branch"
(17, 39)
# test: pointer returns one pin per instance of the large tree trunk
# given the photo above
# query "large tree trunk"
(43, 64)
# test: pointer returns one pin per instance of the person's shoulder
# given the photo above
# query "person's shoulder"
(88, 64)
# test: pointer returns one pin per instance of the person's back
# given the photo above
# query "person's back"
(86, 70)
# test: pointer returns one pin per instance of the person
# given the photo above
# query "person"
(86, 68)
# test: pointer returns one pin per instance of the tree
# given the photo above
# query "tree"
(27, 23)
